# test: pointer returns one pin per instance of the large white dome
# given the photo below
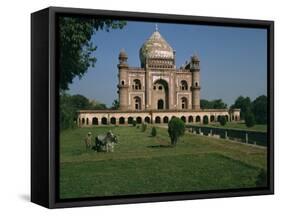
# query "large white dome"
(156, 47)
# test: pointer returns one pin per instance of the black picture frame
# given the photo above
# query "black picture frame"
(44, 107)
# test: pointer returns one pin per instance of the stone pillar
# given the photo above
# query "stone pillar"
(147, 90)
(123, 85)
(195, 88)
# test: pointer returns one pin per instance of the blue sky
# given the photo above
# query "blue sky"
(233, 60)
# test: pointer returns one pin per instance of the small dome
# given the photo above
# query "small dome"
(195, 58)
(156, 47)
(123, 54)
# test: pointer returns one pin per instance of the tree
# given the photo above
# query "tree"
(67, 112)
(219, 104)
(243, 103)
(153, 132)
(69, 105)
(80, 102)
(205, 104)
(176, 128)
(115, 105)
(249, 119)
(99, 106)
(214, 104)
(222, 120)
(143, 127)
(259, 109)
(76, 49)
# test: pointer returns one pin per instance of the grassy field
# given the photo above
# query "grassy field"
(239, 125)
(144, 164)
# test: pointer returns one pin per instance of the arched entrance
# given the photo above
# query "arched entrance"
(157, 120)
(184, 103)
(130, 120)
(121, 120)
(183, 119)
(160, 94)
(137, 103)
(139, 120)
(113, 120)
(95, 121)
(104, 120)
(160, 104)
(226, 117)
(147, 119)
(205, 120)
(166, 119)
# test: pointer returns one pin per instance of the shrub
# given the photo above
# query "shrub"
(153, 132)
(134, 123)
(222, 121)
(249, 119)
(143, 127)
(205, 120)
(176, 128)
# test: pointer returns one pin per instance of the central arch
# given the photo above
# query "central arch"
(137, 103)
(160, 94)
(160, 104)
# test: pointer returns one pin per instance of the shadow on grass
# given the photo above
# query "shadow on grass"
(160, 146)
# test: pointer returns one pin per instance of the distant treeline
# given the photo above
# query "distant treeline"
(70, 104)
(213, 104)
(255, 110)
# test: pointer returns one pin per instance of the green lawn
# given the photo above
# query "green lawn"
(239, 125)
(143, 164)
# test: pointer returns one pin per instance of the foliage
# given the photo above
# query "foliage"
(76, 49)
(153, 131)
(176, 128)
(115, 105)
(259, 109)
(143, 127)
(69, 105)
(249, 119)
(80, 102)
(243, 103)
(97, 105)
(214, 104)
(134, 123)
(222, 120)
(68, 108)
(261, 180)
(100, 106)
(205, 120)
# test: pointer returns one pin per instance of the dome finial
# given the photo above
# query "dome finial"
(156, 27)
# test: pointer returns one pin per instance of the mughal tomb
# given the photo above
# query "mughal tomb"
(157, 90)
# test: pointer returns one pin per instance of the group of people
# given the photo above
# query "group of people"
(103, 142)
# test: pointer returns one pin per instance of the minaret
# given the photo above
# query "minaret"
(123, 85)
(195, 70)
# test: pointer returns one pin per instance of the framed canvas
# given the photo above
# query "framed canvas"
(139, 107)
